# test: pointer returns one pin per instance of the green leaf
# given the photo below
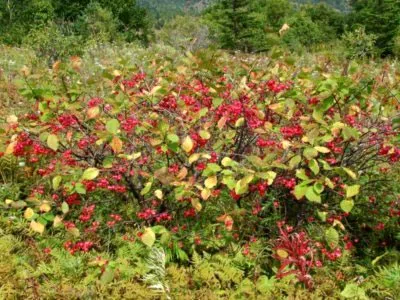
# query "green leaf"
(107, 276)
(322, 215)
(313, 165)
(173, 138)
(148, 237)
(352, 190)
(264, 284)
(322, 149)
(353, 291)
(211, 169)
(325, 165)
(310, 153)
(108, 162)
(228, 162)
(80, 188)
(347, 205)
(270, 176)
(159, 229)
(350, 173)
(300, 191)
(146, 188)
(318, 187)
(312, 196)
(332, 237)
(301, 174)
(56, 182)
(349, 132)
(90, 174)
(229, 181)
(294, 161)
(318, 116)
(243, 184)
(65, 207)
(112, 126)
(52, 142)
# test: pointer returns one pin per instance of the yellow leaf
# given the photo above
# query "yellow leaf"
(28, 214)
(74, 231)
(282, 253)
(155, 142)
(194, 157)
(116, 144)
(350, 173)
(10, 148)
(275, 106)
(45, 207)
(286, 144)
(271, 175)
(148, 237)
(155, 89)
(187, 144)
(204, 134)
(158, 194)
(57, 221)
(37, 227)
(52, 142)
(226, 161)
(90, 173)
(239, 122)
(205, 194)
(12, 119)
(56, 182)
(196, 204)
(210, 182)
(322, 149)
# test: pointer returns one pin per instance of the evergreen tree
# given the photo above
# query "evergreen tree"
(234, 22)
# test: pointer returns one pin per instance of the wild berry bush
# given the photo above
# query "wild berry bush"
(297, 166)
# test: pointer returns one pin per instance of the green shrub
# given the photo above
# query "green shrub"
(359, 44)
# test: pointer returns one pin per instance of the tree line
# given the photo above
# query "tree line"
(55, 26)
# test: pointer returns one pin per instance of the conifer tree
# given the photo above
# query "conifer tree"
(235, 23)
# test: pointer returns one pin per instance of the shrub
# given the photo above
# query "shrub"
(359, 44)
(205, 154)
(49, 42)
(185, 32)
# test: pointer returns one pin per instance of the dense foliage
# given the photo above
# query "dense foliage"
(225, 149)
(239, 172)
(246, 25)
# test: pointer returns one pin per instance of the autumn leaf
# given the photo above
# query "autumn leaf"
(116, 144)
(90, 174)
(52, 142)
(37, 227)
(211, 182)
(187, 144)
(148, 237)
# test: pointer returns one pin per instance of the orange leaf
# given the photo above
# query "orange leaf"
(182, 173)
(222, 122)
(116, 144)
(93, 112)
